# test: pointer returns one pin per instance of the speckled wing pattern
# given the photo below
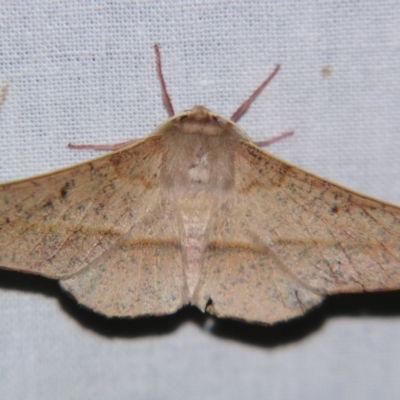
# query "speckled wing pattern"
(103, 228)
(197, 214)
(285, 239)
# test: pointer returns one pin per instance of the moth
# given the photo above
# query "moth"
(196, 213)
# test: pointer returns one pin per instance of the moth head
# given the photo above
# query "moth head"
(200, 120)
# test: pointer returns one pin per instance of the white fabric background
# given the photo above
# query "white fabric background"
(84, 72)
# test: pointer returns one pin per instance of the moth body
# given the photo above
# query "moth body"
(198, 175)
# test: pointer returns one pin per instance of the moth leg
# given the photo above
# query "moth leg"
(112, 147)
(165, 96)
(243, 108)
(274, 139)
(167, 102)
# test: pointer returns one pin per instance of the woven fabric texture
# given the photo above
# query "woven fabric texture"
(84, 72)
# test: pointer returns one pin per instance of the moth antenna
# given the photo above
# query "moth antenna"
(243, 108)
(165, 95)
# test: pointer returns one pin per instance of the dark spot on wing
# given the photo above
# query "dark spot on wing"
(65, 190)
(49, 204)
(334, 209)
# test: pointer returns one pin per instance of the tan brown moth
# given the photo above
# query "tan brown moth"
(197, 214)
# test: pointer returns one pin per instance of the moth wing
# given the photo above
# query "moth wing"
(285, 238)
(104, 228)
(140, 274)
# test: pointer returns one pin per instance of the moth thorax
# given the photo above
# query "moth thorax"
(197, 163)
